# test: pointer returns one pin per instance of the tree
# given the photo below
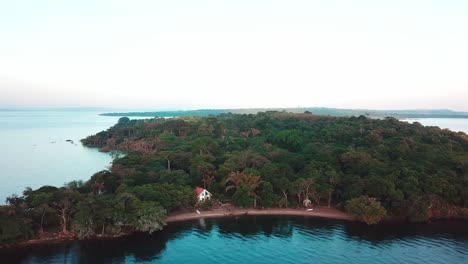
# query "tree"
(248, 181)
(205, 146)
(202, 167)
(241, 161)
(41, 203)
(305, 190)
(169, 196)
(168, 156)
(110, 181)
(14, 227)
(177, 177)
(289, 139)
(241, 197)
(269, 198)
(285, 186)
(124, 211)
(151, 218)
(333, 181)
(83, 223)
(178, 127)
(366, 209)
(123, 121)
(94, 214)
(424, 207)
(327, 179)
(64, 203)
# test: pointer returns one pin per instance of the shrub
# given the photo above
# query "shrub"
(366, 209)
(206, 205)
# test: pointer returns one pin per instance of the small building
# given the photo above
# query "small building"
(203, 194)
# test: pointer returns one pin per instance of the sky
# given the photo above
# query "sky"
(176, 54)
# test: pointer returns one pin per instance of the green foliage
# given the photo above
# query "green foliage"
(176, 177)
(366, 209)
(150, 218)
(269, 198)
(14, 228)
(241, 197)
(93, 214)
(38, 198)
(414, 171)
(169, 196)
(83, 224)
(123, 121)
(289, 139)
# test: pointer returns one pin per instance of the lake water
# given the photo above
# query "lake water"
(454, 124)
(266, 240)
(34, 151)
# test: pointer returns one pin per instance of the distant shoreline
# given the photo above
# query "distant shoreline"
(320, 111)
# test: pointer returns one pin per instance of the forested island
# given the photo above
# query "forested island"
(370, 168)
(399, 114)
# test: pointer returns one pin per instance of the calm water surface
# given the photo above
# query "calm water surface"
(266, 240)
(454, 124)
(34, 151)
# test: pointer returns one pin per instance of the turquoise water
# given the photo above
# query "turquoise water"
(34, 151)
(266, 240)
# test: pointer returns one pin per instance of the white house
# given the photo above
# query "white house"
(202, 194)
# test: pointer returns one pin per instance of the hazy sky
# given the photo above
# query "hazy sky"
(188, 54)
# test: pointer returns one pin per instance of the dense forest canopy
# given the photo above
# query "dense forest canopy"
(371, 167)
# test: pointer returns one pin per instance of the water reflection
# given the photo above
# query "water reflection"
(450, 229)
(256, 238)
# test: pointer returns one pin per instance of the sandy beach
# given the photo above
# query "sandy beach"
(231, 211)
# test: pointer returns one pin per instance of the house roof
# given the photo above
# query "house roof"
(199, 190)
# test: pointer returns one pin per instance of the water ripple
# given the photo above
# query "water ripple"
(268, 240)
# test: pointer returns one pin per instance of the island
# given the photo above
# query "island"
(324, 111)
(230, 165)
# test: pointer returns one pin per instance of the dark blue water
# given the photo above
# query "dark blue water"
(266, 240)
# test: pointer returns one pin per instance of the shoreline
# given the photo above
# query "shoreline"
(329, 213)
(224, 211)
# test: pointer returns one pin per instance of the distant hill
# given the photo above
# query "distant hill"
(400, 114)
